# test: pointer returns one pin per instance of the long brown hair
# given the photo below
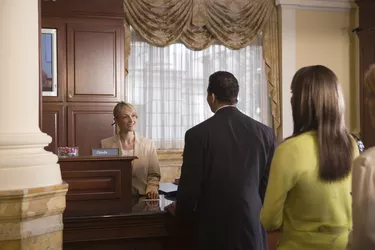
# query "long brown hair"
(318, 105)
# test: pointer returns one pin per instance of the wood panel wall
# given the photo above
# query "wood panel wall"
(366, 36)
(90, 65)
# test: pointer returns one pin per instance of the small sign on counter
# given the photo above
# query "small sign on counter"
(105, 151)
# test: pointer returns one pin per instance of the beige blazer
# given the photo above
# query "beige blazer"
(146, 169)
(363, 191)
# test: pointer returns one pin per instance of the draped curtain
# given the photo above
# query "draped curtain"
(198, 23)
(168, 86)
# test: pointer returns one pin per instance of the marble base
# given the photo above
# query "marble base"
(32, 218)
(50, 241)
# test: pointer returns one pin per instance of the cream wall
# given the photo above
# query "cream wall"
(325, 37)
(319, 32)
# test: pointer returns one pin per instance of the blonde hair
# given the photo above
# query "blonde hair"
(121, 105)
(370, 81)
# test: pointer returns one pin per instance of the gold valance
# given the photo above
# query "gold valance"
(235, 23)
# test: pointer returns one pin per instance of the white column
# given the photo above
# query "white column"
(23, 161)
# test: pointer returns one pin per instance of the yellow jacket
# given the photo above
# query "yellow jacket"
(311, 214)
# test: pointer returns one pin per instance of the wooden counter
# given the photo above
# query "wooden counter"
(101, 213)
(146, 227)
(97, 185)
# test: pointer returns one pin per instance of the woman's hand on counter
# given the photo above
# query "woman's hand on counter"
(153, 194)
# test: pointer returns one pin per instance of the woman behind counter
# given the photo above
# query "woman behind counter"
(146, 169)
(308, 193)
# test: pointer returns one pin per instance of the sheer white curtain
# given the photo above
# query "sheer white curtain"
(168, 86)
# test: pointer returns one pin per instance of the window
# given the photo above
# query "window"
(168, 86)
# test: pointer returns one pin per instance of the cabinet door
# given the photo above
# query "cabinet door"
(95, 61)
(367, 57)
(88, 124)
(54, 124)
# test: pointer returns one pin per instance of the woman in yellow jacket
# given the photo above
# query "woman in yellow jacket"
(308, 194)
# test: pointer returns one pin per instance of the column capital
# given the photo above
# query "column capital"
(329, 5)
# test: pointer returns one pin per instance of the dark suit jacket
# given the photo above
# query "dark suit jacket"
(223, 181)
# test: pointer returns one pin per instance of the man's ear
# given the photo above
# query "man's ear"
(213, 96)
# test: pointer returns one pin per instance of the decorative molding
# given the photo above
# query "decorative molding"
(170, 162)
(170, 158)
(288, 66)
(328, 5)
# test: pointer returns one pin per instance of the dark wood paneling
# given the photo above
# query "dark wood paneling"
(366, 13)
(94, 62)
(90, 66)
(93, 185)
(83, 8)
(40, 64)
(97, 7)
(97, 185)
(54, 8)
(54, 124)
(136, 230)
(60, 26)
(367, 57)
(122, 244)
(130, 226)
(88, 125)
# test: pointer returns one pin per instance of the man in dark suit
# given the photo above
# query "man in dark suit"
(224, 174)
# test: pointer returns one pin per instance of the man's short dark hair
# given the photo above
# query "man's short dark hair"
(225, 87)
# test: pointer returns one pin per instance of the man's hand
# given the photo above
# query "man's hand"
(171, 208)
